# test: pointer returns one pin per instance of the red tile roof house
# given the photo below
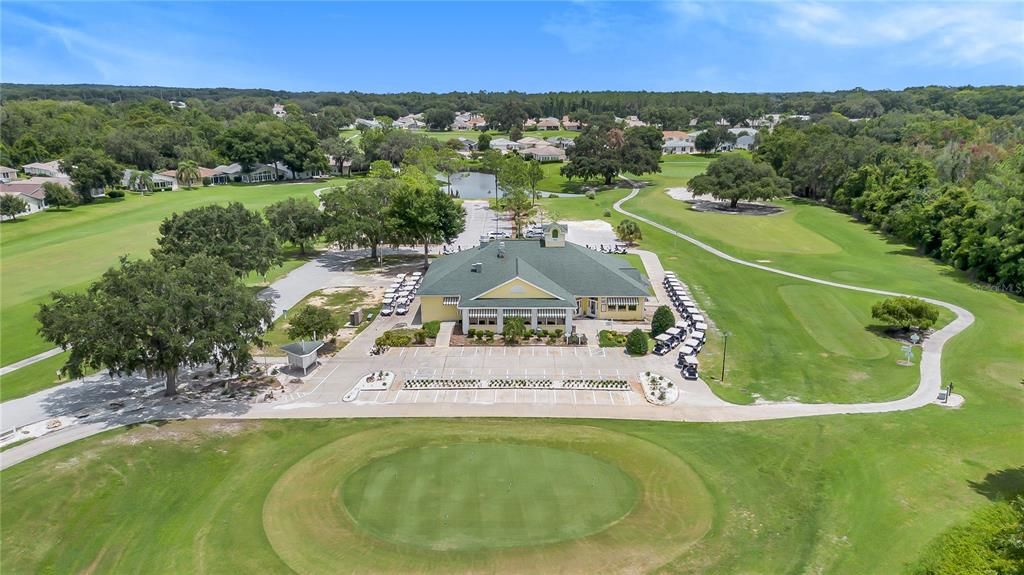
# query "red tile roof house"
(210, 175)
(31, 192)
(570, 124)
(545, 154)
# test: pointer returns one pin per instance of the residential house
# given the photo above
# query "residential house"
(677, 142)
(504, 144)
(31, 192)
(207, 176)
(49, 169)
(571, 125)
(8, 174)
(345, 170)
(546, 282)
(465, 121)
(530, 141)
(631, 121)
(744, 142)
(177, 105)
(548, 124)
(544, 153)
(371, 123)
(468, 144)
(409, 122)
(160, 181)
(561, 142)
(279, 111)
(530, 124)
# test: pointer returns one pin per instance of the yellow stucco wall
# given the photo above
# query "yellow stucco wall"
(515, 289)
(433, 309)
(603, 313)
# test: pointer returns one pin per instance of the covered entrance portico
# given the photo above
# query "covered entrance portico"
(493, 319)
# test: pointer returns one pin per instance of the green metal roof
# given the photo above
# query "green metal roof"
(566, 272)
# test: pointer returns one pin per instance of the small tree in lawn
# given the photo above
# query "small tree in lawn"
(58, 195)
(906, 313)
(628, 231)
(483, 143)
(312, 322)
(534, 174)
(12, 205)
(514, 330)
(157, 315)
(298, 221)
(636, 342)
(662, 320)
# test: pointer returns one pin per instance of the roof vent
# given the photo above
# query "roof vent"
(477, 267)
(484, 240)
(501, 249)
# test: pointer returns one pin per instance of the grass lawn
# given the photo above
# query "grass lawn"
(69, 249)
(340, 303)
(838, 495)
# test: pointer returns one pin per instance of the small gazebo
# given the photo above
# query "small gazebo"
(302, 354)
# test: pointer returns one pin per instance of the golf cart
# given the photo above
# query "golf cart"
(662, 344)
(689, 365)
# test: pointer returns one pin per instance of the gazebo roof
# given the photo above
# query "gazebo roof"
(301, 348)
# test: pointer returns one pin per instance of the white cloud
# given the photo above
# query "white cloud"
(937, 32)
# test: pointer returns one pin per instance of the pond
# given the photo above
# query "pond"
(475, 185)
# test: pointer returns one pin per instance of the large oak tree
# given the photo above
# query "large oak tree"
(158, 316)
(734, 178)
(237, 236)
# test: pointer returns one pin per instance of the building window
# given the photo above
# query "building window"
(632, 307)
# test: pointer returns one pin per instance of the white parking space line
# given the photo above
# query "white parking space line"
(574, 396)
(593, 397)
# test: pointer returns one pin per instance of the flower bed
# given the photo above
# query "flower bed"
(658, 389)
(601, 384)
(438, 383)
(521, 384)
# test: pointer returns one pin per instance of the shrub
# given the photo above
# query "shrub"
(558, 333)
(432, 328)
(490, 336)
(471, 332)
(591, 195)
(394, 338)
(906, 312)
(115, 194)
(662, 320)
(636, 342)
(420, 336)
(607, 213)
(989, 542)
(609, 338)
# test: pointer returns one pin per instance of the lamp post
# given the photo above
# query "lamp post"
(725, 350)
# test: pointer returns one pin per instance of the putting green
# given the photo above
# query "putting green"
(485, 495)
(478, 497)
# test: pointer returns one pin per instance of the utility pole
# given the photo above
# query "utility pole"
(725, 350)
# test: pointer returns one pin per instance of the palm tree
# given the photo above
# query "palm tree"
(628, 231)
(188, 173)
(141, 182)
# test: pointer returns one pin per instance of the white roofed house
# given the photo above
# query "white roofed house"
(745, 142)
(371, 123)
(544, 154)
(676, 142)
(8, 174)
(50, 169)
(257, 173)
(530, 141)
(631, 121)
(504, 144)
(160, 181)
(279, 111)
(561, 142)
(409, 122)
(530, 124)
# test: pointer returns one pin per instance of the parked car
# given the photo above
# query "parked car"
(402, 308)
(387, 310)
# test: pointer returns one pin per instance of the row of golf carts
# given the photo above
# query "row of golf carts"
(399, 295)
(689, 334)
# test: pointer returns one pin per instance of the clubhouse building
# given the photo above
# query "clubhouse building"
(546, 282)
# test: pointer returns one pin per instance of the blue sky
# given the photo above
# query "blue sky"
(525, 46)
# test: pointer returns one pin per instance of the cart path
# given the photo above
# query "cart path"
(931, 354)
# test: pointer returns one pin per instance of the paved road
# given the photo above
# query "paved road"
(321, 395)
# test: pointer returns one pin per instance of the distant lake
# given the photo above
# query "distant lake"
(476, 185)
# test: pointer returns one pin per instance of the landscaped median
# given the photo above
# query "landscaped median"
(595, 384)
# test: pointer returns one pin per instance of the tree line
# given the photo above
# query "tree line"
(949, 185)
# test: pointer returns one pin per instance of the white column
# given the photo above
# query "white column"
(568, 322)
(465, 321)
(533, 319)
(501, 320)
